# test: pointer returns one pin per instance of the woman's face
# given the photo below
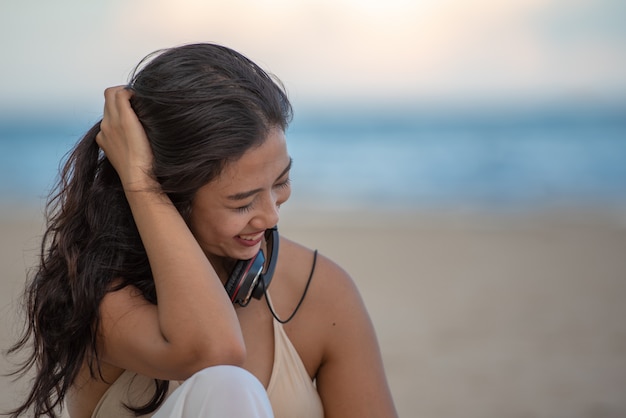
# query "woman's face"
(230, 214)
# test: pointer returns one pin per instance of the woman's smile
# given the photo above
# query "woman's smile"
(250, 240)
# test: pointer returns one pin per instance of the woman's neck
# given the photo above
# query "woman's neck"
(222, 265)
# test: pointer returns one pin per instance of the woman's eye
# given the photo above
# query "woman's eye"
(244, 209)
(285, 183)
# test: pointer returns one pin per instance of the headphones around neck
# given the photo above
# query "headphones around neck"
(247, 278)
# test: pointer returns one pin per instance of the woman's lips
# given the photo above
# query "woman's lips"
(250, 240)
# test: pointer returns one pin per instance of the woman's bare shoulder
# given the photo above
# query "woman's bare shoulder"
(331, 292)
(339, 336)
(303, 263)
(322, 298)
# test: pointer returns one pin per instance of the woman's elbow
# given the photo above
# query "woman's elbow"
(230, 352)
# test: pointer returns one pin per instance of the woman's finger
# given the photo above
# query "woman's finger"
(122, 137)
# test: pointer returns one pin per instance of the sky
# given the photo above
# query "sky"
(62, 54)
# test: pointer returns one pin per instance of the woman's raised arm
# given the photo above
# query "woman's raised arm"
(194, 324)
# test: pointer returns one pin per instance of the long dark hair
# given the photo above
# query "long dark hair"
(202, 106)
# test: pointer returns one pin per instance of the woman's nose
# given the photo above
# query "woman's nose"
(274, 214)
(269, 214)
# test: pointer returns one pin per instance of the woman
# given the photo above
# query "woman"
(184, 175)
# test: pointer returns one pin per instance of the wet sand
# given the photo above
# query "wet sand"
(477, 315)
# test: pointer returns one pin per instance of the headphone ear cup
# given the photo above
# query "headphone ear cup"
(271, 237)
(247, 278)
(235, 277)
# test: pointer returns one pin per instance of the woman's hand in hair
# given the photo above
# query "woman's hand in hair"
(124, 141)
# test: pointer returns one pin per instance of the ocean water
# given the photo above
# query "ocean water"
(402, 159)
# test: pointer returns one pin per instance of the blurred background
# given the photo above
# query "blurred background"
(464, 160)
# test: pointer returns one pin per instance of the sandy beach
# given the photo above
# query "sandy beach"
(477, 315)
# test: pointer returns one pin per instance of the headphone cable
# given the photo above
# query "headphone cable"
(308, 282)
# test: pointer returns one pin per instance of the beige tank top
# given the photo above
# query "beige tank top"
(290, 389)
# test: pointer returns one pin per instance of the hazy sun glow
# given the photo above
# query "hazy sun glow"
(343, 48)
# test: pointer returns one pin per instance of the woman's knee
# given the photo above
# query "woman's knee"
(226, 378)
(219, 391)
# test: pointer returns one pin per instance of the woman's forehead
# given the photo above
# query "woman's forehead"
(258, 165)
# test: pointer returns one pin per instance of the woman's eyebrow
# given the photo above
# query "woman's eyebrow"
(245, 195)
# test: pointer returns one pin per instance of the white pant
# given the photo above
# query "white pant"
(218, 392)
